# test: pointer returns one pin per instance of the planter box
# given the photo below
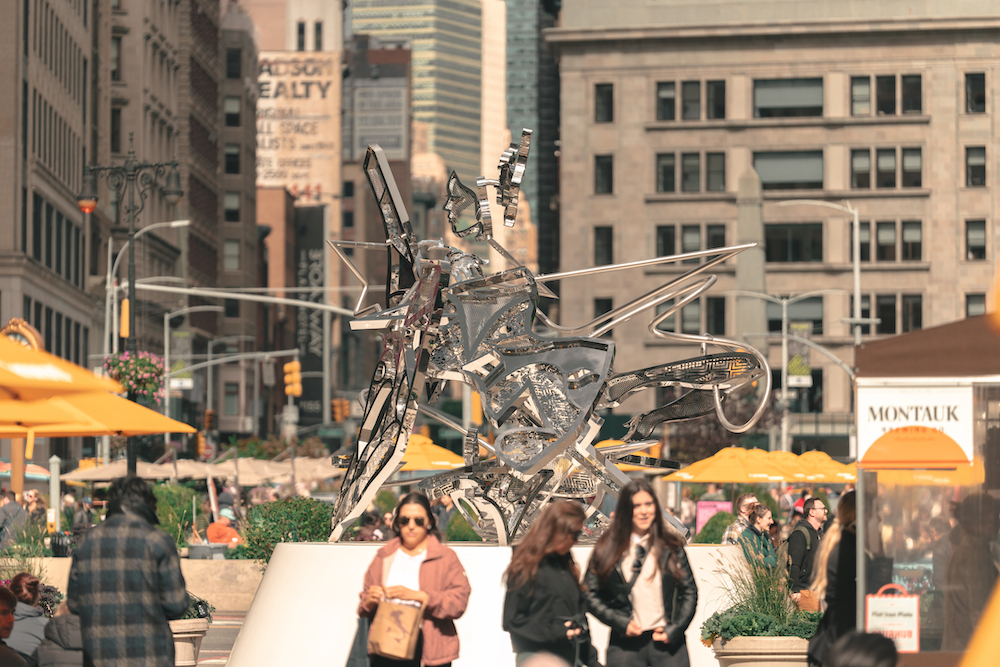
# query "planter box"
(188, 634)
(761, 651)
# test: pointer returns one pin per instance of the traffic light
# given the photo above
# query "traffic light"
(209, 420)
(293, 378)
(123, 325)
(341, 409)
(201, 445)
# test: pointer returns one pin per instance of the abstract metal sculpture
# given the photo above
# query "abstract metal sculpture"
(445, 320)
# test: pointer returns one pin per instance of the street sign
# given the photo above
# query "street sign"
(800, 381)
(182, 383)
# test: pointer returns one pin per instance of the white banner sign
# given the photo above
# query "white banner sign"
(897, 617)
(885, 407)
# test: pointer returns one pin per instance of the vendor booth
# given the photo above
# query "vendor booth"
(928, 438)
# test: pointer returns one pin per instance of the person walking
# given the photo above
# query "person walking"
(125, 583)
(971, 571)
(803, 544)
(834, 581)
(639, 584)
(13, 519)
(29, 622)
(545, 609)
(416, 568)
(744, 504)
(756, 539)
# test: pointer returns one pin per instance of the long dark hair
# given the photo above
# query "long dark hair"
(557, 520)
(613, 544)
(416, 498)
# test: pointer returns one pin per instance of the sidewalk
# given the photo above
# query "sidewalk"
(218, 643)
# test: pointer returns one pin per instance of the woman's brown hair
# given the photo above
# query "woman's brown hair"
(613, 544)
(557, 520)
(24, 586)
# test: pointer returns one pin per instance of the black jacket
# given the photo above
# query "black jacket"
(535, 613)
(800, 558)
(611, 604)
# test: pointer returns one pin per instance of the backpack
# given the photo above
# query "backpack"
(799, 528)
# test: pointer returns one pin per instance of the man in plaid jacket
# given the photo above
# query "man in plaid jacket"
(743, 506)
(126, 582)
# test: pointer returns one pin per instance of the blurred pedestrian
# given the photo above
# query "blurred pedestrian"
(29, 622)
(713, 492)
(863, 649)
(639, 584)
(835, 573)
(13, 519)
(223, 531)
(63, 645)
(744, 505)
(443, 511)
(34, 505)
(689, 510)
(8, 656)
(756, 539)
(971, 572)
(545, 608)
(125, 583)
(415, 568)
(83, 517)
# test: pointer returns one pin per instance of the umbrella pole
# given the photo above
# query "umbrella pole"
(17, 467)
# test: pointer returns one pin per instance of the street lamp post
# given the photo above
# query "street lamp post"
(166, 353)
(210, 390)
(125, 180)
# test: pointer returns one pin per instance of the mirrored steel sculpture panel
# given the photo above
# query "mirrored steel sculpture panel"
(447, 321)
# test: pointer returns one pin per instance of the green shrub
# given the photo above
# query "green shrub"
(25, 553)
(175, 506)
(239, 552)
(385, 501)
(711, 532)
(459, 530)
(288, 520)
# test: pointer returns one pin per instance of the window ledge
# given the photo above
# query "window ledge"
(843, 267)
(801, 121)
(689, 197)
(870, 193)
(677, 269)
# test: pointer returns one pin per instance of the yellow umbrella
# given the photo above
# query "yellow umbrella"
(825, 469)
(422, 454)
(33, 374)
(732, 465)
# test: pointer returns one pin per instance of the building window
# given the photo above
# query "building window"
(975, 305)
(300, 36)
(602, 306)
(232, 158)
(231, 256)
(231, 403)
(691, 241)
(604, 103)
(347, 190)
(912, 241)
(691, 172)
(231, 203)
(666, 241)
(603, 246)
(691, 317)
(885, 95)
(715, 172)
(234, 63)
(116, 130)
(912, 93)
(802, 242)
(861, 96)
(885, 310)
(715, 315)
(975, 166)
(691, 100)
(318, 36)
(885, 241)
(347, 219)
(116, 58)
(975, 93)
(231, 108)
(975, 239)
(885, 168)
(603, 174)
(715, 236)
(861, 168)
(665, 172)
(807, 310)
(715, 99)
(667, 324)
(666, 94)
(913, 312)
(780, 98)
(232, 307)
(912, 168)
(798, 170)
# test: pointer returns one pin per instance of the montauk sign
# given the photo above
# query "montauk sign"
(886, 405)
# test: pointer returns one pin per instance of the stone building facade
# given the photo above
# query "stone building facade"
(664, 107)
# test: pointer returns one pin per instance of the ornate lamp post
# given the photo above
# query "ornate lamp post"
(126, 181)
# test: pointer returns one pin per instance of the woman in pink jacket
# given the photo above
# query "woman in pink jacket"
(416, 567)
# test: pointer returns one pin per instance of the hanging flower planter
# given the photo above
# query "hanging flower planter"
(141, 373)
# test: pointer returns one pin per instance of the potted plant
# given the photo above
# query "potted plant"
(190, 629)
(141, 373)
(760, 624)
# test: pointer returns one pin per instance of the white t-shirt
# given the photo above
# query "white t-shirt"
(405, 571)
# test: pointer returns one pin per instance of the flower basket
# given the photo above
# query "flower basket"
(140, 373)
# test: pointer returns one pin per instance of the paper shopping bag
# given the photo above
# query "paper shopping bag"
(394, 630)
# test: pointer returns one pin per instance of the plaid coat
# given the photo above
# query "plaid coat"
(125, 583)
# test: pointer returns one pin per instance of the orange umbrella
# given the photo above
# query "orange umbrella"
(32, 374)
(733, 465)
(422, 454)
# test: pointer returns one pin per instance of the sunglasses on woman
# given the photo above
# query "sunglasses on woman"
(405, 521)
